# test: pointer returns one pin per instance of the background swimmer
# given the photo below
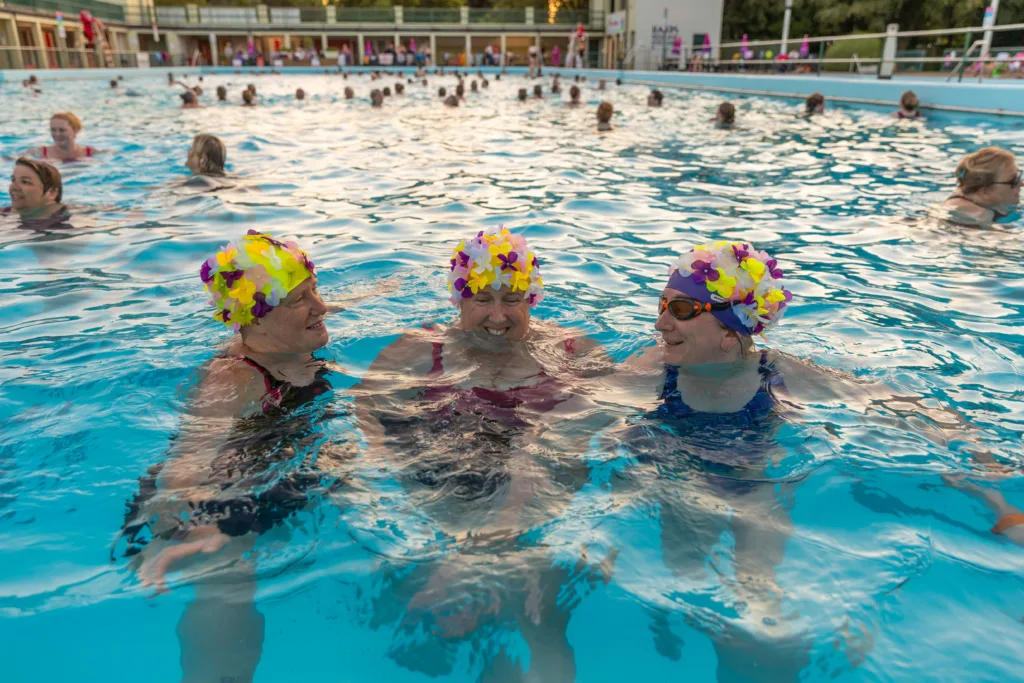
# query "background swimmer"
(522, 94)
(207, 155)
(64, 129)
(814, 104)
(189, 100)
(725, 117)
(376, 98)
(908, 106)
(655, 98)
(349, 93)
(605, 110)
(574, 96)
(300, 94)
(36, 191)
(988, 188)
(222, 93)
(248, 98)
(451, 101)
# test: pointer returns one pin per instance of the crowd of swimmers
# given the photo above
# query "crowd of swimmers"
(718, 300)
(988, 181)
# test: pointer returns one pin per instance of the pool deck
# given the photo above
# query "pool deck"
(990, 97)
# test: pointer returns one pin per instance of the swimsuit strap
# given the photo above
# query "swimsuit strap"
(44, 151)
(995, 214)
(275, 387)
(88, 151)
(770, 377)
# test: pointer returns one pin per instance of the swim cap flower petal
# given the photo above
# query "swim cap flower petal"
(245, 281)
(737, 273)
(494, 258)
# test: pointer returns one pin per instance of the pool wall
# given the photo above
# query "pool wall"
(1000, 98)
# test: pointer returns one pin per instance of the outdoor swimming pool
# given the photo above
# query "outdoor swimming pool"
(888, 573)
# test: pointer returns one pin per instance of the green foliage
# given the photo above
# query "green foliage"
(845, 49)
(762, 19)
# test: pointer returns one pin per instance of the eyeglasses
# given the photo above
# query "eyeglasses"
(1012, 183)
(687, 309)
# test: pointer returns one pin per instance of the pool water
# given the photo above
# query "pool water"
(882, 570)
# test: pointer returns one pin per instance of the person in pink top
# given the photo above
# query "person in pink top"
(64, 129)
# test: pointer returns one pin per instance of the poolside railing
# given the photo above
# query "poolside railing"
(729, 56)
(69, 58)
(106, 11)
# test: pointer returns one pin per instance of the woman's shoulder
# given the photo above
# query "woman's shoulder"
(962, 211)
(230, 386)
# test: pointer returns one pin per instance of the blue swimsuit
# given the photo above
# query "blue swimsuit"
(762, 404)
(728, 451)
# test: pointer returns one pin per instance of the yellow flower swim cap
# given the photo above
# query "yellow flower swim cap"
(246, 281)
(494, 258)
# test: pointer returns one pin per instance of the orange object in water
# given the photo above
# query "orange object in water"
(1007, 521)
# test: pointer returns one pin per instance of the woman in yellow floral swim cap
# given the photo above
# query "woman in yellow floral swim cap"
(228, 477)
(456, 414)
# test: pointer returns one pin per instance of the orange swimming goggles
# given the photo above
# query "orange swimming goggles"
(687, 309)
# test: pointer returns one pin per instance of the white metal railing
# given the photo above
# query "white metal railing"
(64, 58)
(227, 16)
(174, 16)
(285, 16)
(729, 55)
(959, 65)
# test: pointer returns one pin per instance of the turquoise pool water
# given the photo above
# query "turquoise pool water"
(886, 571)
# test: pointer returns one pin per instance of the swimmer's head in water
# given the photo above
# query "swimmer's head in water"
(605, 111)
(574, 93)
(300, 94)
(522, 94)
(207, 155)
(113, 83)
(188, 97)
(64, 127)
(909, 101)
(726, 114)
(245, 280)
(815, 103)
(733, 273)
(34, 185)
(990, 177)
(386, 92)
(222, 93)
(349, 93)
(494, 258)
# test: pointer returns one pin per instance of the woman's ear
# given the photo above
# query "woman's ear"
(730, 340)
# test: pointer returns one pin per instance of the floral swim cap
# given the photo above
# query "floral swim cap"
(734, 272)
(495, 258)
(245, 282)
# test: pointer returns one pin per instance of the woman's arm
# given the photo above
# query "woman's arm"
(184, 482)
(350, 299)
